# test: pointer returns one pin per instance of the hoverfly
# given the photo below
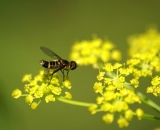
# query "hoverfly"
(56, 65)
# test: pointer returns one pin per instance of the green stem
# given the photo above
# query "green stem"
(24, 95)
(151, 117)
(77, 103)
(148, 102)
(144, 99)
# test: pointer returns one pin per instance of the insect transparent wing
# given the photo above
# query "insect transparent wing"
(49, 53)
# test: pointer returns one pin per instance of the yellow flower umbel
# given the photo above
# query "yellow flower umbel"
(117, 83)
(145, 52)
(145, 58)
(113, 94)
(39, 88)
(94, 52)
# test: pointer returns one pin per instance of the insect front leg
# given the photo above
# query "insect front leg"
(52, 74)
(67, 73)
(62, 70)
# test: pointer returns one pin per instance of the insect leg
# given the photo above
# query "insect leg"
(67, 73)
(62, 70)
(53, 73)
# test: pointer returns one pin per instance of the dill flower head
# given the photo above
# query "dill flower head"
(117, 82)
(94, 52)
(145, 51)
(114, 93)
(148, 42)
(38, 88)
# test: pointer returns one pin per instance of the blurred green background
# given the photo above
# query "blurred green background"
(57, 24)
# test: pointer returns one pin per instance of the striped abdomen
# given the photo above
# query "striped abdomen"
(50, 64)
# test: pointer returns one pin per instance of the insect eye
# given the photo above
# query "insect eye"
(73, 65)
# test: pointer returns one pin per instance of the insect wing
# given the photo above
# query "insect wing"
(49, 53)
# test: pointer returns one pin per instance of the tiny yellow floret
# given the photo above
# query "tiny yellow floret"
(56, 90)
(67, 84)
(100, 75)
(34, 105)
(122, 122)
(116, 55)
(98, 88)
(16, 93)
(129, 114)
(139, 113)
(108, 67)
(92, 108)
(27, 78)
(108, 118)
(29, 99)
(49, 98)
(134, 82)
(68, 95)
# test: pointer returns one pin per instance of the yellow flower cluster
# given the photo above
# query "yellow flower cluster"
(94, 52)
(39, 88)
(145, 52)
(114, 95)
(155, 88)
(145, 57)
